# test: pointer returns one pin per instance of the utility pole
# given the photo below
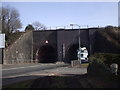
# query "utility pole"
(79, 49)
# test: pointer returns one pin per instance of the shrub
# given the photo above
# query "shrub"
(11, 38)
(106, 58)
(100, 62)
(96, 67)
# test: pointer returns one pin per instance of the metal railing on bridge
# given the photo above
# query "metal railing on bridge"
(72, 27)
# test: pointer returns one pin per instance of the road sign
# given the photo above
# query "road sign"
(2, 40)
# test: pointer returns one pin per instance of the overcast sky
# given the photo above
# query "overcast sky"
(53, 14)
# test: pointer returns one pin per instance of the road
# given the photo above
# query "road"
(17, 73)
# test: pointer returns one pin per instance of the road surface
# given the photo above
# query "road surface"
(17, 73)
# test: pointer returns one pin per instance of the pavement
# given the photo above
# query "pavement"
(17, 73)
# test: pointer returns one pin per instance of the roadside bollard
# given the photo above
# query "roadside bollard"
(72, 63)
(75, 63)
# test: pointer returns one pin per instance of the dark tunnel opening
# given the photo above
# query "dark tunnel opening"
(72, 53)
(47, 54)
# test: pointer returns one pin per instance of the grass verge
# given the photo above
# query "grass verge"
(23, 84)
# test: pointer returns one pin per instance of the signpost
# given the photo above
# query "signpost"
(2, 40)
(2, 45)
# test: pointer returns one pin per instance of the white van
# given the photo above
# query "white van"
(83, 54)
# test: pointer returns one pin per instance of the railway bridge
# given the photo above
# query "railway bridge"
(49, 46)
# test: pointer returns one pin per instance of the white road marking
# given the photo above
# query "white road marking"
(36, 73)
(20, 67)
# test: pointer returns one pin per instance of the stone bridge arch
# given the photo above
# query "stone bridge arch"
(46, 54)
(71, 52)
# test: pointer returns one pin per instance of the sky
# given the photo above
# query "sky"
(59, 14)
(119, 14)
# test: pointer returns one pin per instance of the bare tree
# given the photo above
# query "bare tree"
(10, 20)
(38, 26)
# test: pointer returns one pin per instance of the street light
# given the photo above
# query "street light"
(79, 50)
(46, 41)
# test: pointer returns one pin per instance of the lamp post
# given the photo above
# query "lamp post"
(79, 49)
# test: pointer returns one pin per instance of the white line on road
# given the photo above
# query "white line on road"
(20, 67)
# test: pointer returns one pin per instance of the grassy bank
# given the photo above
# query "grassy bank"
(80, 81)
(24, 84)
